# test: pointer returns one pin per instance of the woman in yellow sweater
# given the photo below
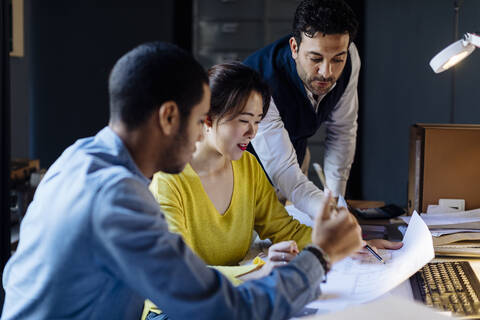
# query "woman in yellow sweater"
(223, 194)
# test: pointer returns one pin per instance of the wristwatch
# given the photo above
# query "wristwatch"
(321, 256)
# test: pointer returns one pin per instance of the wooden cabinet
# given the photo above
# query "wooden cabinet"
(444, 164)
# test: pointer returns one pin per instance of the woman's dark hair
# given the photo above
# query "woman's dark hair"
(324, 16)
(232, 84)
(149, 75)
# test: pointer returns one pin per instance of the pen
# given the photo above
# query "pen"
(320, 174)
(375, 254)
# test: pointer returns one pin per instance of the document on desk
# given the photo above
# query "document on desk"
(391, 308)
(357, 281)
(304, 218)
(449, 218)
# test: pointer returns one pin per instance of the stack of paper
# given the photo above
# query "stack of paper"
(354, 281)
(454, 233)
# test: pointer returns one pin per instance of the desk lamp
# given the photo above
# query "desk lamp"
(455, 52)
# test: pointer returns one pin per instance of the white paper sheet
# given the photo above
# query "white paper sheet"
(342, 203)
(435, 208)
(442, 232)
(391, 308)
(436, 219)
(358, 281)
(304, 218)
(299, 215)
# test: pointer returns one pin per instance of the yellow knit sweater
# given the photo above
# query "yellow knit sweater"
(225, 239)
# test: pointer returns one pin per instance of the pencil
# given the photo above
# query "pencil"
(376, 255)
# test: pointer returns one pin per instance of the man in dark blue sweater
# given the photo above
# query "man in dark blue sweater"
(313, 75)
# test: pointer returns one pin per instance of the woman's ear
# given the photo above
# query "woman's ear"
(209, 121)
(169, 117)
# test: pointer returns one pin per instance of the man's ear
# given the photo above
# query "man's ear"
(169, 117)
(293, 47)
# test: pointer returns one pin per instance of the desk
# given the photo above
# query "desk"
(442, 293)
(355, 283)
(404, 290)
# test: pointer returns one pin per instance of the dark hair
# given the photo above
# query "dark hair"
(231, 85)
(149, 75)
(325, 16)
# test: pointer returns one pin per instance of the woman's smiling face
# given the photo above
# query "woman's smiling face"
(232, 135)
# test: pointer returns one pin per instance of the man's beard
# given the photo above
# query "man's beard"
(321, 91)
(173, 157)
(307, 81)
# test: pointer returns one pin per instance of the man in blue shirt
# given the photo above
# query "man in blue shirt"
(94, 244)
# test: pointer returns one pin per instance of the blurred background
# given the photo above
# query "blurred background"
(58, 77)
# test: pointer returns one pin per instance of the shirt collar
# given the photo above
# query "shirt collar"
(112, 140)
(312, 100)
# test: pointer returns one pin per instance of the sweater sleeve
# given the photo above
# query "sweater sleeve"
(135, 247)
(169, 198)
(272, 221)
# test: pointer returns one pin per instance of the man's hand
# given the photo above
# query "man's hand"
(376, 244)
(385, 244)
(332, 207)
(340, 235)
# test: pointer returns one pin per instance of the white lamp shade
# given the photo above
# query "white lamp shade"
(451, 55)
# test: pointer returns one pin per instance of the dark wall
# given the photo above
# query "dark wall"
(4, 141)
(354, 184)
(400, 88)
(73, 47)
(467, 75)
(20, 115)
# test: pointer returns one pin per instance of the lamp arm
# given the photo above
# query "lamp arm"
(471, 38)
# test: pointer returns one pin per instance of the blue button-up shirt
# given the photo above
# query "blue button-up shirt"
(94, 245)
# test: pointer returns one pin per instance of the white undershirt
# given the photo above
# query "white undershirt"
(316, 103)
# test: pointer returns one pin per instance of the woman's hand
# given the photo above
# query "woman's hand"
(283, 251)
(279, 254)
